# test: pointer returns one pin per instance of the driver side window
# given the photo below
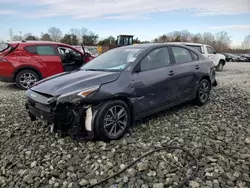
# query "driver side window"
(157, 58)
(210, 50)
(64, 51)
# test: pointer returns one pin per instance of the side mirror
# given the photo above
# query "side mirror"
(137, 69)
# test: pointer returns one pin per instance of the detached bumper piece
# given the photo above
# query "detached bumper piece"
(67, 119)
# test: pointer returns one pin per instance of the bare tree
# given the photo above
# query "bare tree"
(163, 39)
(222, 41)
(185, 36)
(246, 43)
(55, 33)
(197, 38)
(208, 38)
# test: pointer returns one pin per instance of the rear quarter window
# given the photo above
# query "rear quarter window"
(31, 49)
(4, 46)
(194, 56)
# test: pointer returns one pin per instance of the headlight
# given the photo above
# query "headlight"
(77, 95)
(87, 92)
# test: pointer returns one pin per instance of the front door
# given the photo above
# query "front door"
(153, 83)
(211, 54)
(71, 58)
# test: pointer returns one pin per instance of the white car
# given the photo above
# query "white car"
(218, 59)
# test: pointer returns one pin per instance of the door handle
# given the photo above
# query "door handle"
(197, 67)
(171, 73)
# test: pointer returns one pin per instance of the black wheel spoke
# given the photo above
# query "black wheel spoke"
(112, 129)
(108, 124)
(115, 121)
(121, 114)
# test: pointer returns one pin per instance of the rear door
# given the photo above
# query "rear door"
(153, 84)
(186, 69)
(49, 61)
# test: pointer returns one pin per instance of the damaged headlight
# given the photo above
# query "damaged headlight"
(77, 95)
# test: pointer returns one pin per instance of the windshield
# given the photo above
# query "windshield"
(114, 60)
(3, 47)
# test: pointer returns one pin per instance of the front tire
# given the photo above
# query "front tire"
(112, 121)
(203, 92)
(220, 66)
(26, 79)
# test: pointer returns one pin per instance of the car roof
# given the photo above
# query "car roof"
(35, 42)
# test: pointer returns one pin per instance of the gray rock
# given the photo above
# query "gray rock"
(83, 182)
(141, 166)
(169, 181)
(125, 179)
(131, 172)
(109, 164)
(158, 185)
(247, 140)
(33, 164)
(151, 174)
(93, 181)
(194, 184)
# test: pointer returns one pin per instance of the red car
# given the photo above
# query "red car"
(26, 62)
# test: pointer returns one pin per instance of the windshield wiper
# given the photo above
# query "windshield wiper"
(92, 69)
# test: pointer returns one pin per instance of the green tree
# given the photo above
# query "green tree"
(89, 38)
(69, 39)
(107, 41)
(46, 37)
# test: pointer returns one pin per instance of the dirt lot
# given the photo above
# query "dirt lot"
(217, 134)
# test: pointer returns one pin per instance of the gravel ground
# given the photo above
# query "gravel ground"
(217, 134)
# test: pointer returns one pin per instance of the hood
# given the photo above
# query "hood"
(221, 56)
(73, 81)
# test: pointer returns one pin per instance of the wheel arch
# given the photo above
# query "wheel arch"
(223, 61)
(207, 78)
(27, 68)
(125, 99)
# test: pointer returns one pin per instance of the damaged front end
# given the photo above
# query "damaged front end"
(68, 114)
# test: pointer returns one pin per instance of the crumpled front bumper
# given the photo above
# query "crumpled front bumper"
(63, 119)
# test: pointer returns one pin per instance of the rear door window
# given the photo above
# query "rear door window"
(181, 55)
(45, 50)
(210, 50)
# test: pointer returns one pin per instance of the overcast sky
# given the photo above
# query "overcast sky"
(146, 19)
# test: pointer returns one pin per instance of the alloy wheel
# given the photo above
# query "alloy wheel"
(204, 92)
(27, 80)
(115, 121)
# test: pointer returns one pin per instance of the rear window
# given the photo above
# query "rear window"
(198, 48)
(41, 50)
(4, 46)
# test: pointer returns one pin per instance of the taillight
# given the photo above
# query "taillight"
(3, 60)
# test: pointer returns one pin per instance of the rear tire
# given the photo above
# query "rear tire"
(112, 120)
(203, 92)
(26, 79)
